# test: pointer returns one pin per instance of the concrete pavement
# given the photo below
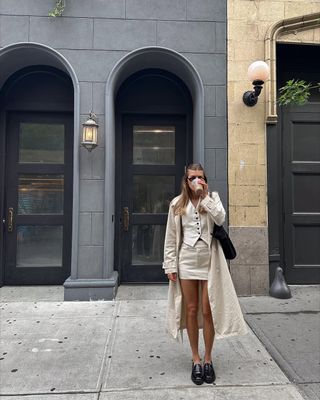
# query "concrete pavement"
(290, 330)
(56, 350)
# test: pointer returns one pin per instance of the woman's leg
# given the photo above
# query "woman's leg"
(208, 327)
(190, 292)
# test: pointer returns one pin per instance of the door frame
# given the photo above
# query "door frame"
(48, 275)
(123, 191)
(276, 205)
(2, 199)
(39, 106)
(155, 110)
(285, 70)
(297, 277)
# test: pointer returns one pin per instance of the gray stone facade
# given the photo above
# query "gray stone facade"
(93, 36)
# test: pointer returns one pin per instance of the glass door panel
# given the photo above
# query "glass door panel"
(40, 194)
(39, 246)
(153, 144)
(147, 244)
(41, 143)
(153, 193)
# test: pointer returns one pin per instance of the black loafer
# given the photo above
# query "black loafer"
(196, 374)
(209, 375)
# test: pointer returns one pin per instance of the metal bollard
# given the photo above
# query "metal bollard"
(279, 287)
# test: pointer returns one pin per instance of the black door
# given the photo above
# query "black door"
(38, 198)
(301, 193)
(153, 160)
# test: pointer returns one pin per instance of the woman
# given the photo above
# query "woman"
(201, 292)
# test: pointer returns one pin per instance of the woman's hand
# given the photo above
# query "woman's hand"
(172, 276)
(205, 188)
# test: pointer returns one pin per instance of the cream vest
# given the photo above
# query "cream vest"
(194, 226)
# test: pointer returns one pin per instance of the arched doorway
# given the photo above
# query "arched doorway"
(138, 60)
(154, 116)
(37, 137)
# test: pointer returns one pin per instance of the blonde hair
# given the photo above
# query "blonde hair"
(186, 193)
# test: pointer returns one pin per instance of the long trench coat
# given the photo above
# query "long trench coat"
(226, 312)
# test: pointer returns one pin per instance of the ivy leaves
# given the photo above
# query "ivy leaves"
(58, 9)
(295, 92)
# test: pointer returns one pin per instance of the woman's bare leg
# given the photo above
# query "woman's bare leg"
(190, 292)
(208, 327)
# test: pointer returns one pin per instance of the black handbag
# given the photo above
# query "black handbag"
(220, 234)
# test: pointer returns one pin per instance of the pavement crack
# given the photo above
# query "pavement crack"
(106, 359)
(191, 386)
(282, 312)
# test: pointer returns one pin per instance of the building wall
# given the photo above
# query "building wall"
(93, 36)
(248, 23)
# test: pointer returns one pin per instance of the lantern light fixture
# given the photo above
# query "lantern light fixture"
(90, 132)
(258, 73)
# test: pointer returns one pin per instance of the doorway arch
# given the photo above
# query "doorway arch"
(143, 58)
(153, 145)
(25, 54)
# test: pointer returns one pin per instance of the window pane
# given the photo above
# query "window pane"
(39, 246)
(302, 184)
(40, 194)
(41, 143)
(152, 193)
(306, 141)
(305, 240)
(153, 144)
(147, 244)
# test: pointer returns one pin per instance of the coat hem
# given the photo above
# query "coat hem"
(179, 336)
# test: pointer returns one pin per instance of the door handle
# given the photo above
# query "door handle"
(10, 219)
(126, 219)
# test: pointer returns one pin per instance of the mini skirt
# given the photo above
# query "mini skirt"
(194, 262)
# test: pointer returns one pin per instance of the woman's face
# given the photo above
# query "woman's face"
(192, 174)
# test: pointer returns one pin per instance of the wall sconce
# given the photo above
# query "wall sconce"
(258, 73)
(90, 132)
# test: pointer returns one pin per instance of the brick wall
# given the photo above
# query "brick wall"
(248, 23)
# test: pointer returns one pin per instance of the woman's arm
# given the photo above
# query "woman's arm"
(212, 204)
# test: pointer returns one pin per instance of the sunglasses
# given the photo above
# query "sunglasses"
(192, 178)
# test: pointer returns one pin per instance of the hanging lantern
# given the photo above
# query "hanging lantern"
(90, 132)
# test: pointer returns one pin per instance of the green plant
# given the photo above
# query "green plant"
(295, 92)
(58, 9)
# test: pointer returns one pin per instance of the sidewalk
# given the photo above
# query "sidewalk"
(290, 331)
(117, 350)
